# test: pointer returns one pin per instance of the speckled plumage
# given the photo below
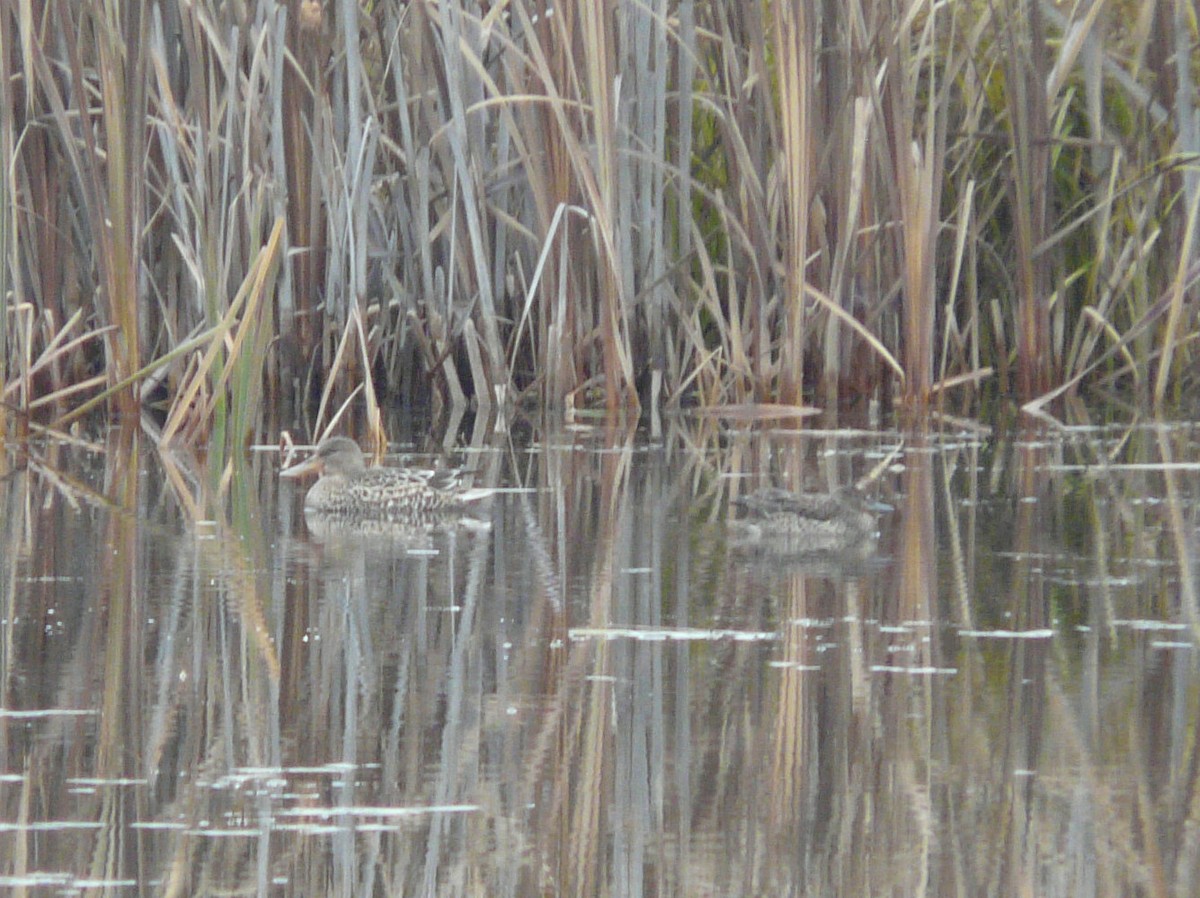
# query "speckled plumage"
(805, 523)
(349, 489)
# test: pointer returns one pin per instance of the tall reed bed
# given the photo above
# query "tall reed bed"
(209, 205)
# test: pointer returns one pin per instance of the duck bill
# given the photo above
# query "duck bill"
(309, 466)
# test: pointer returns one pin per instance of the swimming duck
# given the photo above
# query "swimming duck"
(348, 489)
(807, 523)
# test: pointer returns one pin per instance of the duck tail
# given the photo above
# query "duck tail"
(476, 494)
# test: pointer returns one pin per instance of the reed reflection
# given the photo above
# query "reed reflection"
(605, 689)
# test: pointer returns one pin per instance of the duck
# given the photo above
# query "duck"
(779, 520)
(347, 489)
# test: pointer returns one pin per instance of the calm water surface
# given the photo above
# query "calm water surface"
(602, 691)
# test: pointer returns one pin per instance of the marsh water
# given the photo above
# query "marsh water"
(595, 689)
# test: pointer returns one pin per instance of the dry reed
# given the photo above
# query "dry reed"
(622, 204)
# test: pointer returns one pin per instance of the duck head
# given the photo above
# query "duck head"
(335, 455)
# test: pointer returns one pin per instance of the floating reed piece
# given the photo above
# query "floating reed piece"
(784, 203)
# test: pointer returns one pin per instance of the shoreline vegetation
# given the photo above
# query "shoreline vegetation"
(220, 211)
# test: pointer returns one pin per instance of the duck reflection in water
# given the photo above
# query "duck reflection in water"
(807, 525)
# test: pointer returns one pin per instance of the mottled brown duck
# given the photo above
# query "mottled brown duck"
(349, 490)
(806, 523)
